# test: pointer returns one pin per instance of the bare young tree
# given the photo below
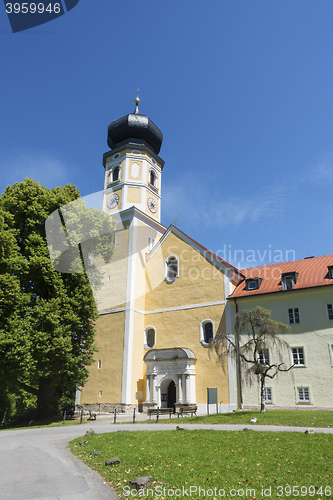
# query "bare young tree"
(256, 335)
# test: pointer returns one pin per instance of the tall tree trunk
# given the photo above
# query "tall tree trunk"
(47, 399)
(262, 394)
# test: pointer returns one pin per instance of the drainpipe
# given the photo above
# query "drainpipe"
(238, 363)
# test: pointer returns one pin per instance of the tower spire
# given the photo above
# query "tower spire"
(137, 102)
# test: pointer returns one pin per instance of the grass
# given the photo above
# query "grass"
(239, 463)
(298, 418)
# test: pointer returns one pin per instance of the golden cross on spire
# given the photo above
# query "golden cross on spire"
(137, 102)
(176, 220)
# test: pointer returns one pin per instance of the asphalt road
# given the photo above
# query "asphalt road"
(35, 464)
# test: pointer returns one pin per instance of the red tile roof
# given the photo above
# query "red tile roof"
(312, 272)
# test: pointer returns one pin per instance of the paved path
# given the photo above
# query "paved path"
(35, 464)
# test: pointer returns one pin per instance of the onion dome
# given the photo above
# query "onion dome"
(135, 128)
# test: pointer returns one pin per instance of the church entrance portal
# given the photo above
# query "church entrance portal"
(171, 395)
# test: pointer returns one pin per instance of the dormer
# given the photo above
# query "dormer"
(288, 280)
(252, 284)
(330, 272)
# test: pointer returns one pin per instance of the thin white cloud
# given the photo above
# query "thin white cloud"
(42, 166)
(214, 208)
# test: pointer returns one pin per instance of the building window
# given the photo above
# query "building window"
(100, 394)
(115, 174)
(206, 332)
(150, 337)
(303, 394)
(152, 178)
(151, 243)
(288, 280)
(252, 284)
(268, 395)
(171, 269)
(298, 356)
(263, 357)
(99, 364)
(293, 315)
(330, 312)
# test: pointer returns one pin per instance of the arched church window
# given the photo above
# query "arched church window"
(206, 332)
(171, 269)
(152, 178)
(115, 174)
(150, 337)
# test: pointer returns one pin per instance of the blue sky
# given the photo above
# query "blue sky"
(242, 91)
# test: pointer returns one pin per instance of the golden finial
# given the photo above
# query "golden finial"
(176, 220)
(137, 102)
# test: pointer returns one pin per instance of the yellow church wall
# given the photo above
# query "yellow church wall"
(198, 282)
(138, 353)
(181, 328)
(108, 379)
(130, 171)
(134, 195)
(112, 293)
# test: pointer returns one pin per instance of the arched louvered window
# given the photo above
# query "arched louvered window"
(171, 269)
(115, 174)
(152, 178)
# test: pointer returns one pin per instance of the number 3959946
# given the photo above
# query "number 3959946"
(32, 8)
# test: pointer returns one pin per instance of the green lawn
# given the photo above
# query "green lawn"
(238, 464)
(299, 418)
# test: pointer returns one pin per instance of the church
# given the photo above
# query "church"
(163, 296)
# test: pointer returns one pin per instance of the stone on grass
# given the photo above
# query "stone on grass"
(112, 461)
(96, 452)
(141, 482)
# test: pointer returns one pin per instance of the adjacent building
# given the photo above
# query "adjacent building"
(299, 294)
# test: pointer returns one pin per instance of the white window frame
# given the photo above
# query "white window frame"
(166, 263)
(202, 332)
(145, 341)
(303, 389)
(263, 352)
(329, 306)
(298, 365)
(268, 400)
(299, 316)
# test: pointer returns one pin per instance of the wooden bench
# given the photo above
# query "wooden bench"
(92, 416)
(161, 411)
(183, 410)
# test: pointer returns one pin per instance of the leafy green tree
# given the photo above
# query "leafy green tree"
(47, 317)
(256, 336)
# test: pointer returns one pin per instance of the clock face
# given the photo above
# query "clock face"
(113, 201)
(152, 205)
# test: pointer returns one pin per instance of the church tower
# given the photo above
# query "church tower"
(133, 169)
(132, 196)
